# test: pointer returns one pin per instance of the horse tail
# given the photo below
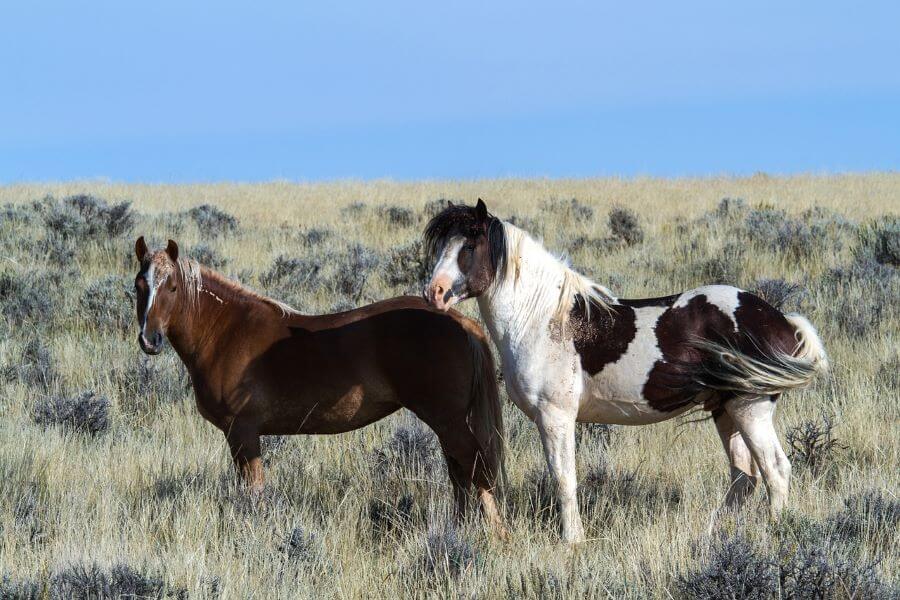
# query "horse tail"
(766, 372)
(485, 414)
(809, 345)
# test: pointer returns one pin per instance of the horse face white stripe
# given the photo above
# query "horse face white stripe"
(153, 286)
(448, 264)
(723, 297)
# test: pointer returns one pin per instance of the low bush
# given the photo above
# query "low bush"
(434, 207)
(354, 209)
(353, 268)
(109, 303)
(25, 297)
(879, 241)
(300, 545)
(569, 210)
(813, 572)
(871, 515)
(603, 488)
(397, 215)
(777, 292)
(311, 238)
(212, 221)
(405, 268)
(20, 589)
(87, 581)
(812, 444)
(83, 217)
(726, 267)
(35, 366)
(207, 256)
(413, 448)
(446, 553)
(86, 413)
(624, 225)
(389, 514)
(734, 569)
(290, 272)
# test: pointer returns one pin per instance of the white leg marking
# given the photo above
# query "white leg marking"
(557, 431)
(723, 297)
(753, 418)
(743, 469)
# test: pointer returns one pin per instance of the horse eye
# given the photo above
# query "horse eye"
(469, 247)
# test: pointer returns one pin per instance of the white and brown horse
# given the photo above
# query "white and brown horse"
(260, 368)
(571, 351)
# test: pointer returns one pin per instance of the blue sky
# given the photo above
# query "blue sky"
(178, 91)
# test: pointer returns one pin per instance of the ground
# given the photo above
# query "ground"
(112, 483)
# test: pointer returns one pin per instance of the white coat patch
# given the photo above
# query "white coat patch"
(723, 297)
(615, 394)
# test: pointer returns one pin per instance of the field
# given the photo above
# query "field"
(111, 482)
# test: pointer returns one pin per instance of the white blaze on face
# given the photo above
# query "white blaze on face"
(447, 268)
(153, 286)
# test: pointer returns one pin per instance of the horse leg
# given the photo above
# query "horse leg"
(461, 482)
(743, 469)
(245, 450)
(557, 430)
(465, 469)
(754, 419)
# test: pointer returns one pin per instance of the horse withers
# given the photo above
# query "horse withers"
(571, 351)
(260, 368)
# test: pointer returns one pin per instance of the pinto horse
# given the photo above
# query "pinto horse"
(571, 351)
(260, 368)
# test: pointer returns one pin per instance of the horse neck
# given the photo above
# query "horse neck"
(523, 297)
(199, 323)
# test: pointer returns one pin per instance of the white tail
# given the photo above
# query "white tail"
(809, 345)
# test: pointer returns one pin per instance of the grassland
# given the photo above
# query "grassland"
(128, 489)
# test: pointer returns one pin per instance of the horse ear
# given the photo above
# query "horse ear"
(481, 210)
(172, 250)
(140, 249)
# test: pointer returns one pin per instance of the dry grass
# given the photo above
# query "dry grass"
(153, 491)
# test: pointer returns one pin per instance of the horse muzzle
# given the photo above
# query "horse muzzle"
(151, 346)
(442, 294)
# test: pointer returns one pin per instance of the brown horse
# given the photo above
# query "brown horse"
(260, 368)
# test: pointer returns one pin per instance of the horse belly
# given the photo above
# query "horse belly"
(604, 402)
(330, 411)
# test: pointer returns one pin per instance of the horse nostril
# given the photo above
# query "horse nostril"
(438, 291)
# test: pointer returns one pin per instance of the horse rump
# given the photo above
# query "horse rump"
(764, 371)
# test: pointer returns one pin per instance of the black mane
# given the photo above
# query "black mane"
(459, 219)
